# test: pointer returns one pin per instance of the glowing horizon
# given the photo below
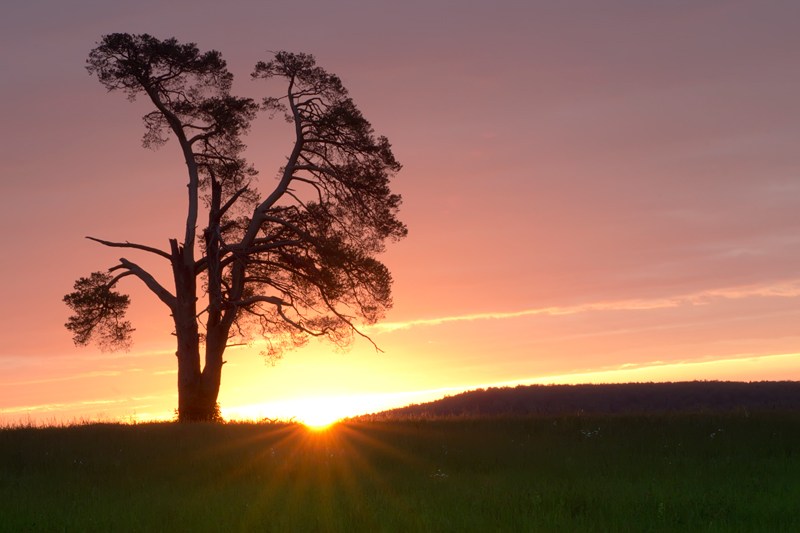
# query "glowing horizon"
(337, 408)
(319, 412)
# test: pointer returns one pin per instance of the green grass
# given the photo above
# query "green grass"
(684, 472)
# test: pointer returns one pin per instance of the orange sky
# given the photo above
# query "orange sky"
(595, 191)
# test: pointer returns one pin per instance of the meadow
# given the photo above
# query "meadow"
(713, 471)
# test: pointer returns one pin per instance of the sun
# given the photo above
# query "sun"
(320, 419)
(319, 413)
(315, 413)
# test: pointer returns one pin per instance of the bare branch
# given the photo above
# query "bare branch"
(119, 277)
(163, 294)
(266, 299)
(316, 168)
(233, 199)
(127, 244)
(290, 226)
(347, 321)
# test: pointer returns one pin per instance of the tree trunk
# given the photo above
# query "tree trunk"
(197, 402)
(198, 390)
(197, 394)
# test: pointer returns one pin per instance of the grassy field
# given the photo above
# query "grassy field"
(685, 472)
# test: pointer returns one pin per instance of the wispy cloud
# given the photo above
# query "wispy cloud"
(51, 407)
(627, 372)
(15, 361)
(789, 288)
(607, 374)
(64, 378)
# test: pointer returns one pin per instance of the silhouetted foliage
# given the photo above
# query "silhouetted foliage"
(295, 264)
(99, 313)
(614, 398)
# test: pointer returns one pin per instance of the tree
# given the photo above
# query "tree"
(296, 264)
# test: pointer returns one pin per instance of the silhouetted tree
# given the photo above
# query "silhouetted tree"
(298, 263)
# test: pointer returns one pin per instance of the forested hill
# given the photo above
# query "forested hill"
(614, 398)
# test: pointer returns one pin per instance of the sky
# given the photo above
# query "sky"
(595, 191)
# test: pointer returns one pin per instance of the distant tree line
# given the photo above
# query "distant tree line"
(614, 398)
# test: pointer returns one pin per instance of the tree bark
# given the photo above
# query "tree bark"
(197, 394)
(198, 391)
(197, 402)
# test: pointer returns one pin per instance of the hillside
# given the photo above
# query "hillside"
(614, 398)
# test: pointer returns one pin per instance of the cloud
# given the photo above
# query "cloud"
(66, 406)
(628, 372)
(65, 378)
(789, 288)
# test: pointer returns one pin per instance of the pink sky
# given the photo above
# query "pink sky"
(595, 191)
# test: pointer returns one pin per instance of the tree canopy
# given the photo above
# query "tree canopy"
(294, 263)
